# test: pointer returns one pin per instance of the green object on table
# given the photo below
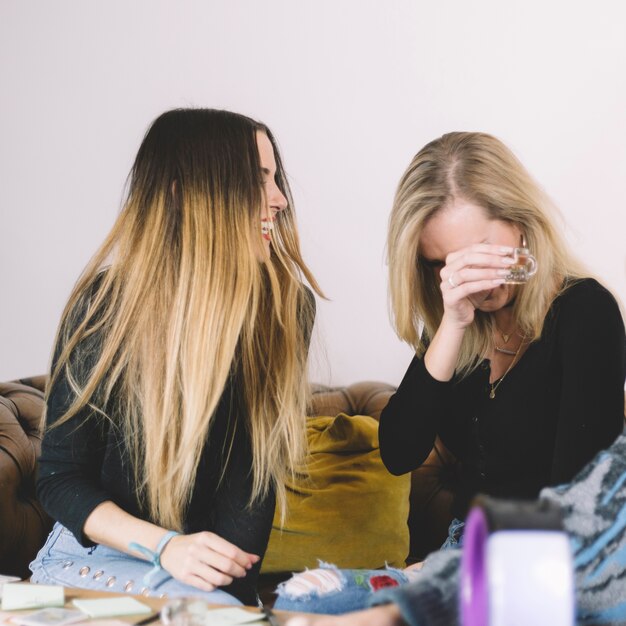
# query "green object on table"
(111, 607)
(17, 596)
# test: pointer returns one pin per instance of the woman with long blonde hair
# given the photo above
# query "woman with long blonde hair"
(519, 362)
(519, 355)
(176, 404)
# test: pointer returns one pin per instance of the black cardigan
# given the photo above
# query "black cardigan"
(559, 405)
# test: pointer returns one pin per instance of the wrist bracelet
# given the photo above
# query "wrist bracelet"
(154, 556)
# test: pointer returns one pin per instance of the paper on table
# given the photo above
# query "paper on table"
(231, 617)
(16, 596)
(53, 616)
(5, 616)
(7, 579)
(111, 607)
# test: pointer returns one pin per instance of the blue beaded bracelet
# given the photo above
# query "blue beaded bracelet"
(154, 556)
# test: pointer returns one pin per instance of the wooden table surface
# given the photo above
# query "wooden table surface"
(156, 604)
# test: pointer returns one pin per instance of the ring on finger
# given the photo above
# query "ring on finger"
(451, 281)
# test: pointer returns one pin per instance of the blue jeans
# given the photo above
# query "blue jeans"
(336, 591)
(63, 561)
(455, 535)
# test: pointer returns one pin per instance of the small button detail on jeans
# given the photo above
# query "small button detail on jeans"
(163, 595)
(68, 564)
(98, 575)
(483, 475)
(129, 585)
(110, 581)
(83, 571)
(145, 591)
(475, 419)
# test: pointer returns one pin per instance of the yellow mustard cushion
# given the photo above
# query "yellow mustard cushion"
(350, 510)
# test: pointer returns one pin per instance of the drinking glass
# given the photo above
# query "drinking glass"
(523, 267)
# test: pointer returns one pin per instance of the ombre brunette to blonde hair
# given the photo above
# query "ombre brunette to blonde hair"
(176, 302)
(480, 169)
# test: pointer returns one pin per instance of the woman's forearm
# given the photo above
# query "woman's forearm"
(202, 559)
(441, 357)
(110, 525)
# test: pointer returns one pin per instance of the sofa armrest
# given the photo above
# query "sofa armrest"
(23, 523)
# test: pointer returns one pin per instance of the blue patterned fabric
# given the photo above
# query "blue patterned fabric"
(594, 512)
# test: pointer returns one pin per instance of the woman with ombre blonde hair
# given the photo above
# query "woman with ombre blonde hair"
(176, 404)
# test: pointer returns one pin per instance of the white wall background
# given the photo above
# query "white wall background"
(351, 88)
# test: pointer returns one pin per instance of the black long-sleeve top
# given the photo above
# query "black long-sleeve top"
(85, 462)
(557, 407)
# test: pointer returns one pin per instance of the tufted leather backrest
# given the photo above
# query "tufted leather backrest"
(23, 523)
(364, 398)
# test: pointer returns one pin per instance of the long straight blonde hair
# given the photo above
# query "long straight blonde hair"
(176, 303)
(480, 169)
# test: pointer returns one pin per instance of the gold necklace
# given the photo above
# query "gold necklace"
(503, 350)
(505, 337)
(497, 383)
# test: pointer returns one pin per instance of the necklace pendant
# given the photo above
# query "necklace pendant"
(505, 351)
(492, 394)
(506, 337)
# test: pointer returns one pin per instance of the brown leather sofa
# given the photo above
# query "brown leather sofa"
(24, 525)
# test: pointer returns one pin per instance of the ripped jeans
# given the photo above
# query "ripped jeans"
(336, 591)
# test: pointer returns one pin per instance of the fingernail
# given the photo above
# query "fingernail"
(506, 249)
(507, 260)
(503, 272)
(498, 281)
